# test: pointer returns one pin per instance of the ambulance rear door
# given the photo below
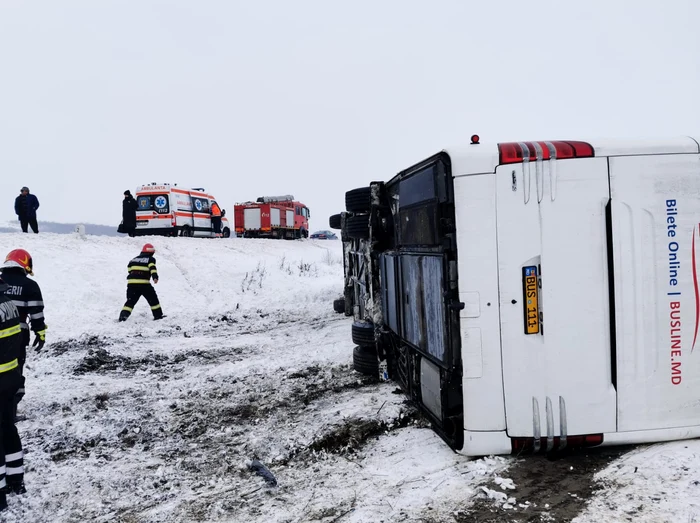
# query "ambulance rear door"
(656, 238)
(554, 293)
(153, 210)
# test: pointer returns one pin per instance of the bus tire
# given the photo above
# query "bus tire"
(358, 200)
(227, 232)
(364, 361)
(187, 231)
(357, 226)
(363, 334)
(334, 222)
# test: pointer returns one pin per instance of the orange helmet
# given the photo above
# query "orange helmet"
(19, 258)
(148, 248)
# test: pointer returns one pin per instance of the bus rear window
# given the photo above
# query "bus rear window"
(154, 202)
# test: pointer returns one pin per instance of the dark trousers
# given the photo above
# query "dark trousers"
(25, 338)
(11, 454)
(216, 222)
(25, 222)
(134, 293)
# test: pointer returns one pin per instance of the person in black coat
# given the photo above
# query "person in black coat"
(26, 205)
(129, 206)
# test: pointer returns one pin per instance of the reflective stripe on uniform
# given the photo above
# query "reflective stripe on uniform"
(155, 307)
(10, 331)
(129, 282)
(14, 456)
(12, 471)
(23, 325)
(138, 268)
(127, 309)
(151, 264)
(9, 366)
(36, 316)
(28, 303)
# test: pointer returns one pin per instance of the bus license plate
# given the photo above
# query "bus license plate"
(531, 299)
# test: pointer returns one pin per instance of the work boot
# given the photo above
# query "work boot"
(16, 487)
(3, 501)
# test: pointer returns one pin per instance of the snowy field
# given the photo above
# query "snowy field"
(159, 421)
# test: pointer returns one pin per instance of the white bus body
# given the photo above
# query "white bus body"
(540, 295)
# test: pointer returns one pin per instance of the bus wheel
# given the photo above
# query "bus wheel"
(364, 361)
(227, 232)
(186, 231)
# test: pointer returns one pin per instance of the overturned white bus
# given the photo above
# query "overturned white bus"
(534, 295)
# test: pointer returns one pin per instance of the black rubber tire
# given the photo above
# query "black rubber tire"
(363, 334)
(187, 232)
(364, 361)
(358, 200)
(357, 226)
(227, 233)
(339, 305)
(334, 222)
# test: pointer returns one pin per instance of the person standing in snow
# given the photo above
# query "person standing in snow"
(26, 296)
(138, 283)
(11, 454)
(129, 206)
(26, 206)
(216, 218)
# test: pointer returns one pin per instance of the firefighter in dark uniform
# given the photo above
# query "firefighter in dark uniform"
(11, 455)
(138, 283)
(26, 295)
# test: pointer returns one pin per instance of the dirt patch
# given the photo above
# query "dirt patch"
(100, 360)
(84, 343)
(551, 489)
(353, 433)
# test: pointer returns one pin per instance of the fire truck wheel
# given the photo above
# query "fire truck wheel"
(364, 361)
(363, 334)
(334, 222)
(357, 226)
(227, 232)
(186, 231)
(339, 305)
(358, 200)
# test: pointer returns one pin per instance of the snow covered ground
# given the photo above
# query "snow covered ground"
(159, 421)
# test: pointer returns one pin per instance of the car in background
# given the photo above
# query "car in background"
(324, 235)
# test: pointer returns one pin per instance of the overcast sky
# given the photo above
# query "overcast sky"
(317, 97)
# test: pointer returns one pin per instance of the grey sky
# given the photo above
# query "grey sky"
(317, 97)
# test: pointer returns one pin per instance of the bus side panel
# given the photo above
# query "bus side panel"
(475, 213)
(656, 238)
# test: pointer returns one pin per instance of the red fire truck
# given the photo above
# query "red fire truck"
(272, 217)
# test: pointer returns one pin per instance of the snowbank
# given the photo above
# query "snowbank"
(653, 483)
(84, 279)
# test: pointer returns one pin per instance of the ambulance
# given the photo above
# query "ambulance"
(536, 296)
(168, 210)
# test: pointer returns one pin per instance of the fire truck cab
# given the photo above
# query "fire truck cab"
(168, 210)
(272, 217)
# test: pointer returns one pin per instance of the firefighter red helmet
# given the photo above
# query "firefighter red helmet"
(19, 258)
(148, 248)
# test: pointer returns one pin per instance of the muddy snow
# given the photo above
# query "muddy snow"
(242, 405)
